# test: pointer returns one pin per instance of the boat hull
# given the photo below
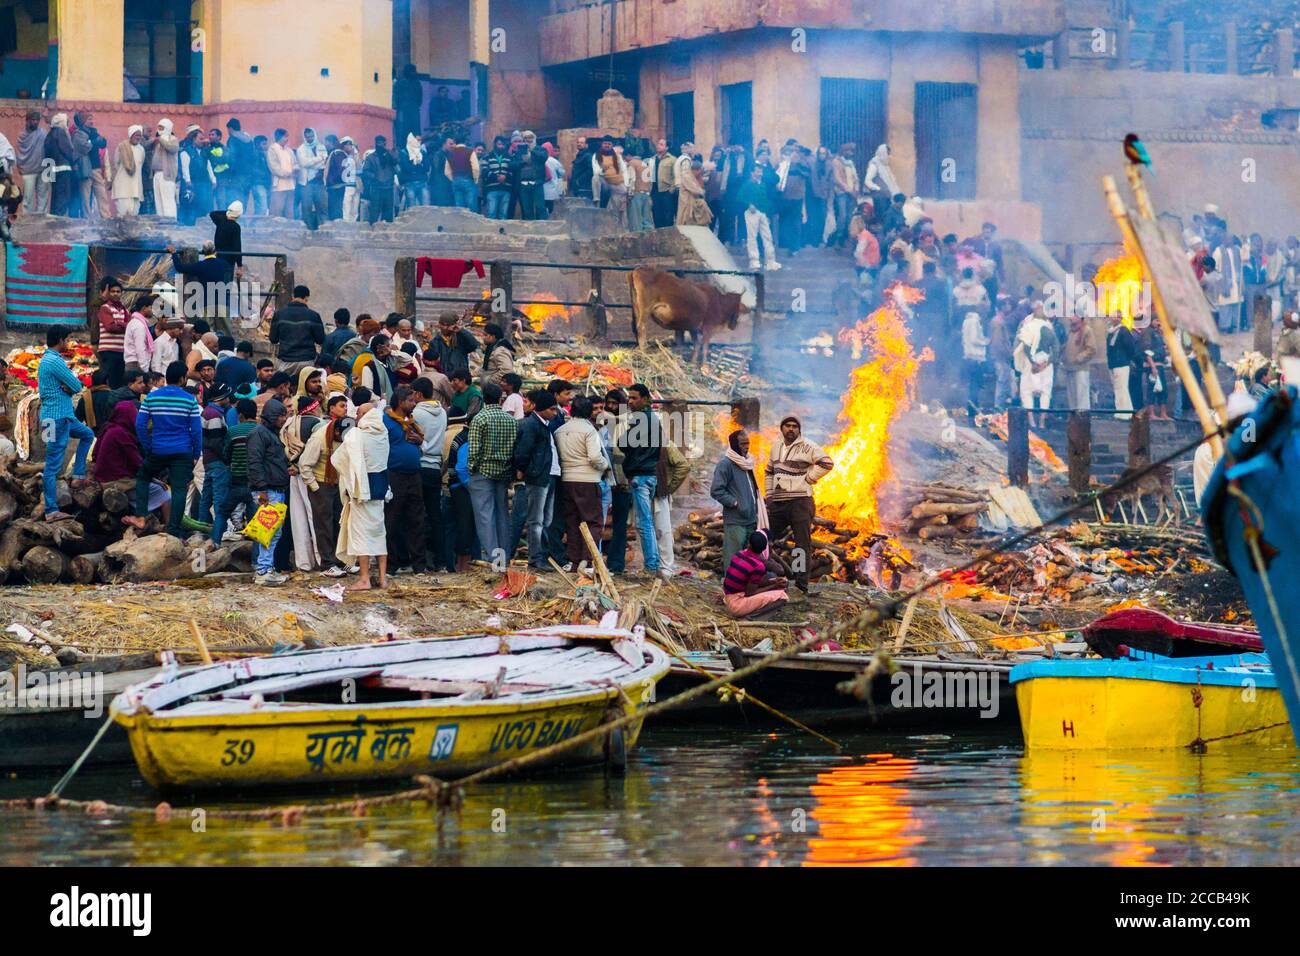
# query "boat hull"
(1131, 705)
(375, 742)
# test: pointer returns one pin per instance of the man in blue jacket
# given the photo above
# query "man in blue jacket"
(56, 385)
(536, 462)
(169, 426)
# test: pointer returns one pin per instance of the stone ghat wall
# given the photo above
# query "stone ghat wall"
(350, 265)
(1205, 135)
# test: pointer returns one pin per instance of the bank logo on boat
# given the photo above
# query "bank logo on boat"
(444, 742)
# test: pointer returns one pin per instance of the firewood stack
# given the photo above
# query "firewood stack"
(93, 546)
(931, 511)
(846, 554)
(926, 511)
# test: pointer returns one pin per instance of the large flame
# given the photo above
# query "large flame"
(540, 313)
(878, 393)
(1120, 286)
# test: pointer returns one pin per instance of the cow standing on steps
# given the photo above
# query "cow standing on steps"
(682, 306)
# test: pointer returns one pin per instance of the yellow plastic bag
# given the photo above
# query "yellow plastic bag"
(263, 525)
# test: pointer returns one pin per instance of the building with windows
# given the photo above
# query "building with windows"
(938, 82)
(271, 62)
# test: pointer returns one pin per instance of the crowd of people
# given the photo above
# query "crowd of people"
(388, 444)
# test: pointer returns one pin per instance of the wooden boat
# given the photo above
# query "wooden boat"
(1145, 702)
(808, 687)
(1251, 512)
(439, 706)
(51, 726)
(1143, 629)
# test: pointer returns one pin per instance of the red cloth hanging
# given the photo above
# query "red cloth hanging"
(445, 273)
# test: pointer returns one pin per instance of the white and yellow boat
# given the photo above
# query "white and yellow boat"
(1145, 701)
(439, 706)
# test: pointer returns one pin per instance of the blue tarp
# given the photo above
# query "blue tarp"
(1263, 456)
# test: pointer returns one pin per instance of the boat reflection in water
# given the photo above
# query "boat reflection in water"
(1157, 808)
(862, 817)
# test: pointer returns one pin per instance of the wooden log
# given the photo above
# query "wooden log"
(928, 508)
(44, 565)
(88, 568)
(1018, 446)
(917, 525)
(944, 492)
(968, 522)
(938, 531)
(116, 498)
(87, 496)
(1078, 435)
(8, 506)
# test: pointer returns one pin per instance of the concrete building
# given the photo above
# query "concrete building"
(271, 62)
(938, 83)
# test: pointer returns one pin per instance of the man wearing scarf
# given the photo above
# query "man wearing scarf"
(361, 460)
(374, 368)
(164, 164)
(322, 481)
(296, 431)
(736, 489)
(312, 157)
(128, 177)
(404, 515)
(30, 154)
(58, 150)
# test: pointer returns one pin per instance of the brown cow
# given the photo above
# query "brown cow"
(682, 306)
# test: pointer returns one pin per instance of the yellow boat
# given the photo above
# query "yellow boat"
(439, 706)
(1150, 702)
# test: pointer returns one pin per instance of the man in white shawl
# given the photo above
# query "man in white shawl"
(362, 465)
(164, 163)
(879, 180)
(128, 177)
(1035, 355)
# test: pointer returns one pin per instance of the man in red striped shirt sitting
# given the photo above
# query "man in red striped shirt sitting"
(755, 584)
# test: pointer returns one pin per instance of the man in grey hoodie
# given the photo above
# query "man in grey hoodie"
(736, 489)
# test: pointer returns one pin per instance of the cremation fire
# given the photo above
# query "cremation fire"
(878, 393)
(542, 312)
(1119, 285)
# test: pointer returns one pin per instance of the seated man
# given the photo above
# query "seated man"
(755, 584)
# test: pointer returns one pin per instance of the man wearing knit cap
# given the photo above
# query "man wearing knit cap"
(795, 465)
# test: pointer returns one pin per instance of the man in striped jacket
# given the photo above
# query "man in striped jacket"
(171, 436)
(112, 331)
(794, 467)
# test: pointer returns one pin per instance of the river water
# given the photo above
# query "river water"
(750, 797)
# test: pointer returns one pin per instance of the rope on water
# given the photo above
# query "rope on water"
(446, 795)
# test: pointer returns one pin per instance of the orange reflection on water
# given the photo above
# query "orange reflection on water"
(861, 817)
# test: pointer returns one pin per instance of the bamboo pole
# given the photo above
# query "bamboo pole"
(1177, 355)
(1209, 376)
(198, 640)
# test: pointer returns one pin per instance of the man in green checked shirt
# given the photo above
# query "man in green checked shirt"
(492, 435)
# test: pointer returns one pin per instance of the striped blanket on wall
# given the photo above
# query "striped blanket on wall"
(45, 284)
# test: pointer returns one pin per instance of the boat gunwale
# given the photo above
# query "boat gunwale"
(1179, 670)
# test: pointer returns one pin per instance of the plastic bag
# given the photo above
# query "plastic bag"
(263, 525)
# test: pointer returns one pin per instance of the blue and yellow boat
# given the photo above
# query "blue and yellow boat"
(445, 707)
(1146, 701)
